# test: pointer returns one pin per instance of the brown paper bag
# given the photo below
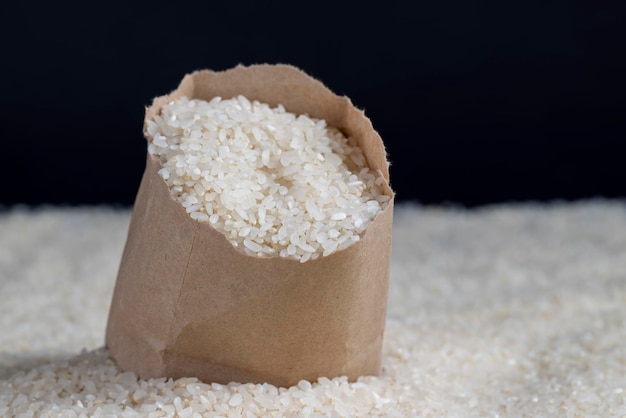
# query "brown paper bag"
(188, 303)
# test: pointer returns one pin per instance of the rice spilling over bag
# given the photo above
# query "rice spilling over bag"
(275, 183)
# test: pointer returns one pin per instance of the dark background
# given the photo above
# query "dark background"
(477, 102)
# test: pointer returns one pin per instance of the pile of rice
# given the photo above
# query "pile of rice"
(275, 183)
(515, 311)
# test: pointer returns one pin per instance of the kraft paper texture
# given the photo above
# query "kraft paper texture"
(188, 303)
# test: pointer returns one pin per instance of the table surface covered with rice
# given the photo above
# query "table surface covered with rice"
(515, 310)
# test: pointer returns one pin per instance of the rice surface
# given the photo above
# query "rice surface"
(514, 311)
(275, 183)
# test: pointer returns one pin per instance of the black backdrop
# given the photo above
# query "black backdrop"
(478, 102)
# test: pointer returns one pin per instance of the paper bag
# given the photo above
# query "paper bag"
(188, 303)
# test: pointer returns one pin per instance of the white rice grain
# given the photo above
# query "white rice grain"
(251, 171)
(504, 311)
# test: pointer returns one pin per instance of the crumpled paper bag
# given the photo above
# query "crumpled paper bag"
(188, 303)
